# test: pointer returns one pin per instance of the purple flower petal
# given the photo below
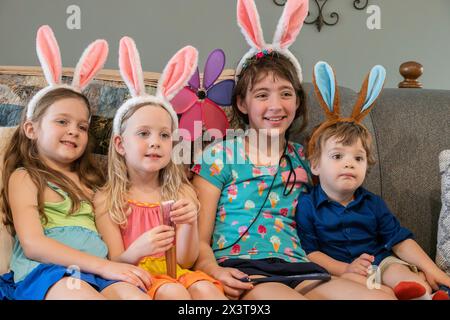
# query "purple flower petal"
(194, 82)
(221, 92)
(213, 67)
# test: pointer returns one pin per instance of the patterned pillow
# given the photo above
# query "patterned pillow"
(443, 242)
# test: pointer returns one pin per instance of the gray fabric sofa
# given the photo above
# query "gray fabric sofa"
(410, 128)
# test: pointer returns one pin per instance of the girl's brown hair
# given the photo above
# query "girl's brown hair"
(276, 65)
(22, 152)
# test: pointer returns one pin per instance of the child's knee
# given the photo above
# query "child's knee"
(203, 289)
(172, 291)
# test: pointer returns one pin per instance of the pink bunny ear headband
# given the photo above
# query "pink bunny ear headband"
(175, 76)
(288, 28)
(91, 61)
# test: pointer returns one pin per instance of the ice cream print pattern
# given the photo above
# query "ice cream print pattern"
(243, 190)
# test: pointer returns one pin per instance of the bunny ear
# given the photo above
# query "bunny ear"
(130, 66)
(326, 89)
(370, 90)
(91, 62)
(248, 21)
(177, 72)
(49, 55)
(290, 23)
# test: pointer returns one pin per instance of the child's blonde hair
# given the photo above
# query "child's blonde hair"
(346, 133)
(23, 152)
(172, 178)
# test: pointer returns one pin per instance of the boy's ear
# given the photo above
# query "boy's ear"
(242, 106)
(315, 168)
(118, 145)
(29, 131)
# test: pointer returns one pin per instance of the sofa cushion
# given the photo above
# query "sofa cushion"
(412, 128)
(5, 238)
(443, 240)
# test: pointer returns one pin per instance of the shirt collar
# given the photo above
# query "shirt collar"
(321, 197)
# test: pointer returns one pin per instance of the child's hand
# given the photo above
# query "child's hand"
(127, 273)
(229, 277)
(157, 240)
(184, 212)
(361, 264)
(437, 278)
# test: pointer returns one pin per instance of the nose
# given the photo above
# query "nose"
(73, 131)
(154, 142)
(275, 103)
(349, 164)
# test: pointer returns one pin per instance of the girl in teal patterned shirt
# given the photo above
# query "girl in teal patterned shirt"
(248, 185)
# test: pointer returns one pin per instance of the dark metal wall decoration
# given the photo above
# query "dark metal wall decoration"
(280, 2)
(357, 4)
(321, 20)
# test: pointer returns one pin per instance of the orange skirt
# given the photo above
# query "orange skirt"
(156, 266)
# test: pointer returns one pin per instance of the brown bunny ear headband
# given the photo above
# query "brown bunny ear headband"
(325, 86)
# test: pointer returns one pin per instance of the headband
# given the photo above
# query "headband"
(325, 87)
(91, 61)
(288, 28)
(175, 76)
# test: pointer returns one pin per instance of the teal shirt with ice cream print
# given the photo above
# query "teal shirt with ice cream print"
(244, 186)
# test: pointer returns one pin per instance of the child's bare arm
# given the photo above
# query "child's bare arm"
(154, 241)
(337, 268)
(409, 250)
(184, 214)
(109, 231)
(333, 266)
(209, 196)
(37, 246)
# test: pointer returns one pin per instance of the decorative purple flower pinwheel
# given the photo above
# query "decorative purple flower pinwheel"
(202, 102)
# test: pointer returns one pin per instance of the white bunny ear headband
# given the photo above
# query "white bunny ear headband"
(175, 76)
(91, 61)
(288, 28)
(326, 89)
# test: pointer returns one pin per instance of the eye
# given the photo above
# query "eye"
(336, 156)
(62, 121)
(287, 94)
(83, 127)
(165, 135)
(359, 158)
(143, 133)
(261, 95)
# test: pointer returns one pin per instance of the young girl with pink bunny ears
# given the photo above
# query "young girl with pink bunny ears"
(49, 181)
(248, 193)
(142, 174)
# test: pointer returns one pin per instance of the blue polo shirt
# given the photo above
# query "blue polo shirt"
(365, 225)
